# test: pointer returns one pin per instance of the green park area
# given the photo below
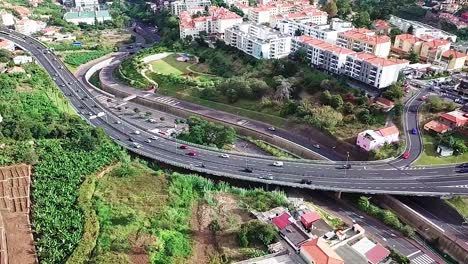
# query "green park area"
(170, 65)
(429, 156)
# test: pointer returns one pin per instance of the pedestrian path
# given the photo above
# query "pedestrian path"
(166, 100)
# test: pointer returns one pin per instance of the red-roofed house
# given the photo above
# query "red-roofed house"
(454, 119)
(406, 43)
(317, 251)
(436, 126)
(376, 254)
(309, 218)
(282, 221)
(373, 139)
(381, 26)
(453, 60)
(365, 40)
(432, 50)
(218, 20)
(384, 104)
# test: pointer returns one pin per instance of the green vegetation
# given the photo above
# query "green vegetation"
(82, 57)
(64, 150)
(400, 259)
(387, 216)
(435, 104)
(255, 231)
(429, 156)
(331, 220)
(460, 203)
(387, 151)
(270, 149)
(170, 65)
(207, 133)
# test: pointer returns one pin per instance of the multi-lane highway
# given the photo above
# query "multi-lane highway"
(395, 177)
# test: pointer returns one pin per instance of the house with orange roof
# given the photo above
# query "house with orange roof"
(317, 251)
(215, 23)
(454, 119)
(322, 54)
(453, 60)
(374, 139)
(407, 43)
(421, 29)
(381, 27)
(431, 51)
(436, 127)
(362, 39)
(372, 70)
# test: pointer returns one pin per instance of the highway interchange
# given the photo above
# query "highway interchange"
(394, 177)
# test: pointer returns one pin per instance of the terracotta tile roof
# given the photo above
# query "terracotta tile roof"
(321, 252)
(381, 24)
(365, 35)
(435, 43)
(281, 221)
(460, 118)
(309, 217)
(436, 126)
(377, 254)
(408, 37)
(385, 101)
(377, 61)
(389, 131)
(317, 43)
(453, 53)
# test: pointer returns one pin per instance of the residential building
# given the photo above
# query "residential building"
(15, 69)
(375, 253)
(215, 23)
(454, 119)
(260, 15)
(374, 139)
(309, 218)
(258, 41)
(187, 5)
(286, 10)
(407, 43)
(28, 27)
(282, 221)
(420, 29)
(6, 44)
(86, 4)
(321, 54)
(233, 2)
(365, 40)
(244, 7)
(22, 59)
(384, 104)
(372, 70)
(431, 51)
(461, 46)
(323, 32)
(6, 19)
(452, 60)
(35, 3)
(436, 127)
(381, 27)
(309, 15)
(317, 251)
(340, 25)
(87, 17)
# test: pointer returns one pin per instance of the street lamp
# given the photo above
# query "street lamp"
(347, 161)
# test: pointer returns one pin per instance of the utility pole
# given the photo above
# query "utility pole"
(347, 160)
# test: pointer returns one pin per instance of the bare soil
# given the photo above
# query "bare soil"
(140, 244)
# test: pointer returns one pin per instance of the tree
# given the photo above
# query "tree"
(410, 29)
(413, 57)
(362, 19)
(336, 101)
(301, 55)
(348, 108)
(394, 32)
(364, 203)
(283, 90)
(324, 117)
(298, 32)
(325, 98)
(136, 110)
(363, 115)
(344, 8)
(331, 8)
(259, 87)
(398, 109)
(394, 92)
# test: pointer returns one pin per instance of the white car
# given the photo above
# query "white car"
(154, 138)
(136, 145)
(278, 164)
(136, 132)
(148, 141)
(224, 155)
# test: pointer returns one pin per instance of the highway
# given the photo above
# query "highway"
(395, 177)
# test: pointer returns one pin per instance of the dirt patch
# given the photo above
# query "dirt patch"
(140, 244)
(16, 244)
(204, 246)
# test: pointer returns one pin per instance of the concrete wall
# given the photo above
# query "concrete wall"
(449, 244)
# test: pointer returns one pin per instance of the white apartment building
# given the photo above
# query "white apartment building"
(340, 25)
(372, 70)
(218, 20)
(321, 54)
(86, 4)
(260, 15)
(284, 10)
(258, 41)
(323, 32)
(188, 5)
(420, 30)
(362, 39)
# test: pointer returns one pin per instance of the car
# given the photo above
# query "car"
(202, 165)
(136, 145)
(136, 132)
(346, 166)
(154, 138)
(406, 155)
(306, 181)
(423, 98)
(414, 131)
(272, 128)
(192, 153)
(463, 165)
(118, 122)
(53, 78)
(90, 113)
(131, 139)
(81, 106)
(317, 146)
(464, 170)
(278, 164)
(70, 83)
(225, 155)
(183, 147)
(269, 177)
(248, 169)
(148, 141)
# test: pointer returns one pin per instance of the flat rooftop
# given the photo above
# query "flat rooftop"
(295, 234)
(279, 258)
(349, 255)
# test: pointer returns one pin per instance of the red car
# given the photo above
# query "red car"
(406, 154)
(183, 147)
(193, 154)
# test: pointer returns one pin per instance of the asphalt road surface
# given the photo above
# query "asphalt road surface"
(391, 178)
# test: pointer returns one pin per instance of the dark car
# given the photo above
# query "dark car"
(183, 147)
(306, 181)
(346, 166)
(464, 170)
(463, 165)
(131, 139)
(249, 170)
(193, 154)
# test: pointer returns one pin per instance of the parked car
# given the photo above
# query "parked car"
(406, 155)
(278, 164)
(317, 146)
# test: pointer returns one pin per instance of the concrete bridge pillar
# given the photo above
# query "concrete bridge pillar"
(338, 195)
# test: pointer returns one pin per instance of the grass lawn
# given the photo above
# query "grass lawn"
(460, 203)
(170, 65)
(430, 156)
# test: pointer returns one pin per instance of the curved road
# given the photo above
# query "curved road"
(388, 178)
